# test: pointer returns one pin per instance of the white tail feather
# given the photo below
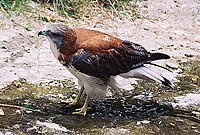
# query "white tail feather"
(146, 74)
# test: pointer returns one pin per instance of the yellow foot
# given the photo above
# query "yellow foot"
(70, 101)
(81, 111)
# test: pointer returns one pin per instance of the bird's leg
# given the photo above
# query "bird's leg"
(73, 102)
(83, 110)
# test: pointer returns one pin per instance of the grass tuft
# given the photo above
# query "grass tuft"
(14, 5)
(88, 8)
(78, 8)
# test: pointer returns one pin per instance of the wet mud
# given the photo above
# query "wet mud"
(152, 109)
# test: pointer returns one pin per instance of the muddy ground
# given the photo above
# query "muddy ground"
(170, 26)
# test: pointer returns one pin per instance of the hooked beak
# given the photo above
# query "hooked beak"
(42, 32)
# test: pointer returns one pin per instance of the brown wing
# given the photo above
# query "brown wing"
(95, 41)
(101, 55)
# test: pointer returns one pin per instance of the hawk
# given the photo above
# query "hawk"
(95, 58)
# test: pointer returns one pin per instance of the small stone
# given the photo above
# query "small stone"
(181, 45)
(145, 28)
(193, 127)
(189, 55)
(145, 121)
(18, 111)
(16, 126)
(1, 112)
(29, 111)
(138, 123)
(145, 6)
(27, 49)
(3, 47)
(196, 131)
(172, 124)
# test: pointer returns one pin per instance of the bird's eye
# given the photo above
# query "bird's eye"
(48, 32)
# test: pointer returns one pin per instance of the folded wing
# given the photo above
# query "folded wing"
(104, 58)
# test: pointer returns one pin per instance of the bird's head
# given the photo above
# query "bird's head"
(61, 35)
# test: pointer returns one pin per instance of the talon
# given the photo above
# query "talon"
(70, 101)
(83, 110)
(80, 109)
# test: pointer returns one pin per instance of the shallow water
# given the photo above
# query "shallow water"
(149, 109)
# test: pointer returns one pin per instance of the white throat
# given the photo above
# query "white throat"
(54, 49)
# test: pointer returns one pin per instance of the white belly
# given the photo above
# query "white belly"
(94, 87)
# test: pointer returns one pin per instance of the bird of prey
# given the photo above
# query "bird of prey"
(96, 58)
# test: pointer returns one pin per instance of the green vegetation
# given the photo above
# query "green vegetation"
(14, 5)
(20, 89)
(78, 8)
(85, 8)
